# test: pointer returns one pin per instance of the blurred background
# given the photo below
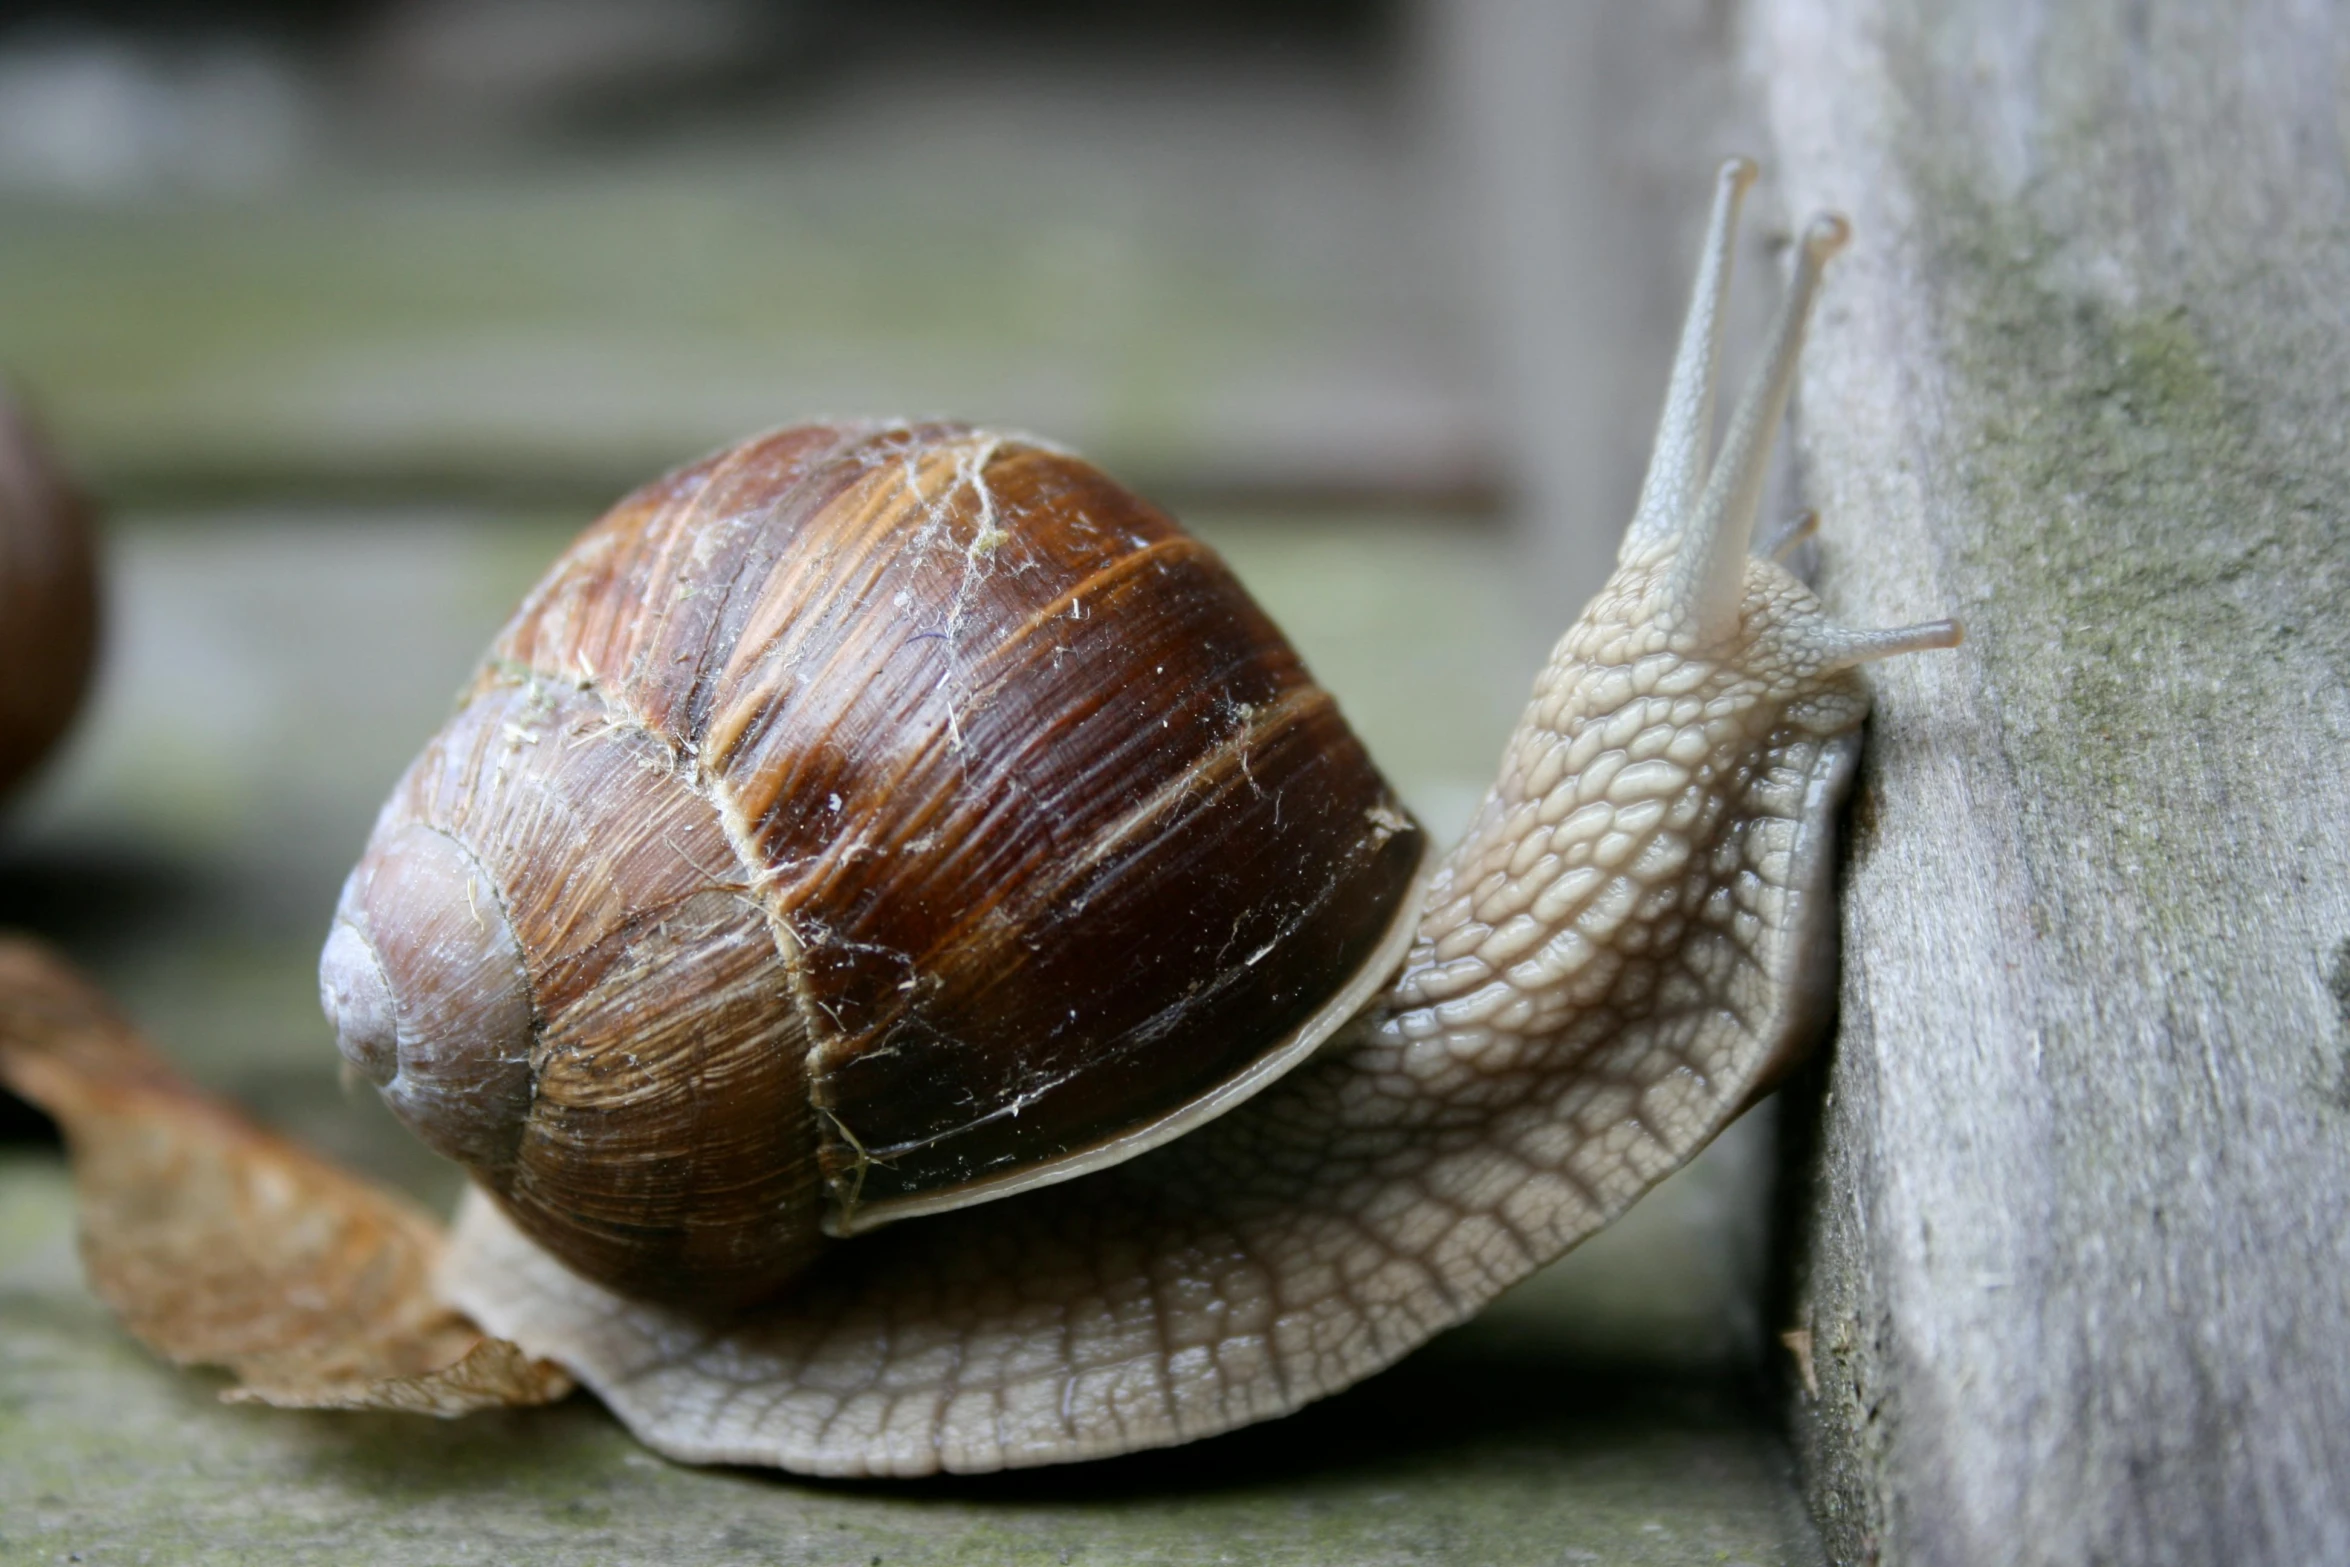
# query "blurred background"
(351, 313)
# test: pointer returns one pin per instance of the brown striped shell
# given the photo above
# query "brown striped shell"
(864, 821)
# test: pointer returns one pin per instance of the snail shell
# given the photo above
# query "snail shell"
(865, 821)
(48, 598)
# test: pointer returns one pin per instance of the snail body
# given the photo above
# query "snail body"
(1488, 1062)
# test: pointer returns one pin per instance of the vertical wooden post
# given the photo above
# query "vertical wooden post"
(2077, 1257)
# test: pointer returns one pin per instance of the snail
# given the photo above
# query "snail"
(921, 978)
(48, 598)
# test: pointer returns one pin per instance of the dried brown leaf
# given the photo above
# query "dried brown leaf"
(220, 1243)
(494, 1373)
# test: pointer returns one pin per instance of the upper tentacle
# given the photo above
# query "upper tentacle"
(1702, 590)
(1684, 431)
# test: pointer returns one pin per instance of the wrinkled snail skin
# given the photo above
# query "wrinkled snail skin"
(1634, 936)
(48, 598)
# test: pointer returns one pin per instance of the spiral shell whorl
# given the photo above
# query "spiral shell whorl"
(649, 1118)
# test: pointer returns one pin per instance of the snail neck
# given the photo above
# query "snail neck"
(1659, 840)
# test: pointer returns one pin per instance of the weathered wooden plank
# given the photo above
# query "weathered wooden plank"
(1212, 281)
(2077, 1251)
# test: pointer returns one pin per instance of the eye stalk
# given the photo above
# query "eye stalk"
(1676, 468)
(1705, 533)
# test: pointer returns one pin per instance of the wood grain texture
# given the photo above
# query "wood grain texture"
(2076, 1246)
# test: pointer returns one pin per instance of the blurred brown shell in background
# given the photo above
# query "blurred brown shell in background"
(48, 597)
